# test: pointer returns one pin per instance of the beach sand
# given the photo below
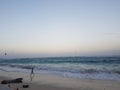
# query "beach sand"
(51, 82)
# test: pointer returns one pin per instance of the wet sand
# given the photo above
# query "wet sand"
(51, 82)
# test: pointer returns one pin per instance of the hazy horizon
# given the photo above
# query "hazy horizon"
(53, 28)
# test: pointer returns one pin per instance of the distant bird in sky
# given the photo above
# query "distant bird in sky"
(5, 54)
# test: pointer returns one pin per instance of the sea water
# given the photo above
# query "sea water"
(105, 68)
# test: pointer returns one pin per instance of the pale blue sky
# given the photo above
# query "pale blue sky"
(38, 28)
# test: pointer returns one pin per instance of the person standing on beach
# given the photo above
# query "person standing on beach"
(32, 73)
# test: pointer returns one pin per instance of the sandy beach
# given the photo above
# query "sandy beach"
(51, 82)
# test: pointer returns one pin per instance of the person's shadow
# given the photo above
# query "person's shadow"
(31, 76)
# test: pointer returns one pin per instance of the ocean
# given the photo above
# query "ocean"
(104, 68)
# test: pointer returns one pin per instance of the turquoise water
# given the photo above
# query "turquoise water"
(74, 67)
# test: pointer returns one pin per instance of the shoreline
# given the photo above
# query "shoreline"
(60, 83)
(81, 75)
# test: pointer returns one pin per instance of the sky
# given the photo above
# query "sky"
(44, 28)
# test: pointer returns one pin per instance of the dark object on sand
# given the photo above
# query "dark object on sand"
(4, 82)
(25, 86)
(17, 80)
